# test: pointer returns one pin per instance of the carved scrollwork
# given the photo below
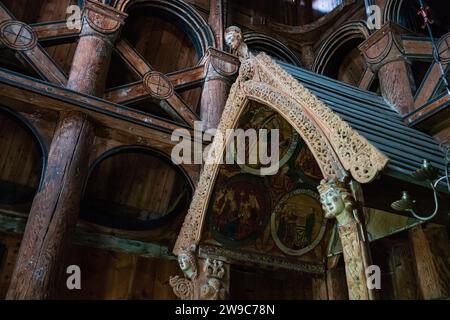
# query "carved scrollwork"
(182, 287)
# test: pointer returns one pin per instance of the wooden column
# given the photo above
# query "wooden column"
(100, 27)
(222, 67)
(432, 257)
(217, 20)
(384, 54)
(401, 267)
(338, 202)
(54, 211)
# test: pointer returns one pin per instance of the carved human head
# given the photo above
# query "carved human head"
(233, 37)
(334, 197)
(187, 264)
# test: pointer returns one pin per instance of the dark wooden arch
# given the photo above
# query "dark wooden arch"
(331, 45)
(270, 45)
(150, 152)
(34, 133)
(186, 16)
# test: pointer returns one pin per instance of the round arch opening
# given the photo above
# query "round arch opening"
(135, 189)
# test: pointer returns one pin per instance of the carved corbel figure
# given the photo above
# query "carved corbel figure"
(337, 202)
(184, 287)
(235, 40)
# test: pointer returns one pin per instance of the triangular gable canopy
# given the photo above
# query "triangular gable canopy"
(337, 148)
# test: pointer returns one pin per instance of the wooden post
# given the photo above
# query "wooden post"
(338, 202)
(222, 67)
(384, 54)
(100, 27)
(402, 269)
(54, 210)
(432, 257)
(217, 20)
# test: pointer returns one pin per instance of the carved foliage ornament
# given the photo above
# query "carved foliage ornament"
(334, 144)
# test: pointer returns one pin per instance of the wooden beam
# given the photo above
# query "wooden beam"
(16, 88)
(414, 46)
(31, 51)
(187, 77)
(134, 59)
(16, 225)
(182, 109)
(429, 109)
(367, 79)
(429, 85)
(127, 94)
(54, 30)
(44, 65)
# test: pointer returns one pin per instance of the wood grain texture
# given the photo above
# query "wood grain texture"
(396, 84)
(401, 266)
(54, 211)
(432, 257)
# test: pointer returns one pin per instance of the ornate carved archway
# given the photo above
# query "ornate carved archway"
(337, 148)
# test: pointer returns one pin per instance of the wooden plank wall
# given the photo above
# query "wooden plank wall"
(20, 156)
(250, 285)
(104, 274)
(164, 45)
(135, 180)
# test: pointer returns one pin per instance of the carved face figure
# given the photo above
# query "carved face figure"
(332, 203)
(233, 38)
(184, 262)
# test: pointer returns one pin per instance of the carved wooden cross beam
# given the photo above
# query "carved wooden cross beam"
(24, 39)
(156, 84)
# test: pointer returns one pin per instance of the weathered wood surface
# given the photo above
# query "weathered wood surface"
(54, 211)
(54, 30)
(319, 289)
(336, 284)
(90, 66)
(401, 265)
(432, 257)
(37, 56)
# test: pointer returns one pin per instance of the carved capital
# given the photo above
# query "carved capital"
(207, 283)
(221, 65)
(101, 20)
(384, 46)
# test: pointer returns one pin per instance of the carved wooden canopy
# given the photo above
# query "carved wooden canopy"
(337, 148)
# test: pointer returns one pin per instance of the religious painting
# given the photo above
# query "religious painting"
(239, 210)
(297, 222)
(263, 117)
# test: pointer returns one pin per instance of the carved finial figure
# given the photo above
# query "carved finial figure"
(337, 201)
(235, 40)
(188, 265)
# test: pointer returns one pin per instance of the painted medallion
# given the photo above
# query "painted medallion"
(297, 222)
(239, 210)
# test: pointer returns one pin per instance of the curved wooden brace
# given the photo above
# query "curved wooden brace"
(333, 143)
